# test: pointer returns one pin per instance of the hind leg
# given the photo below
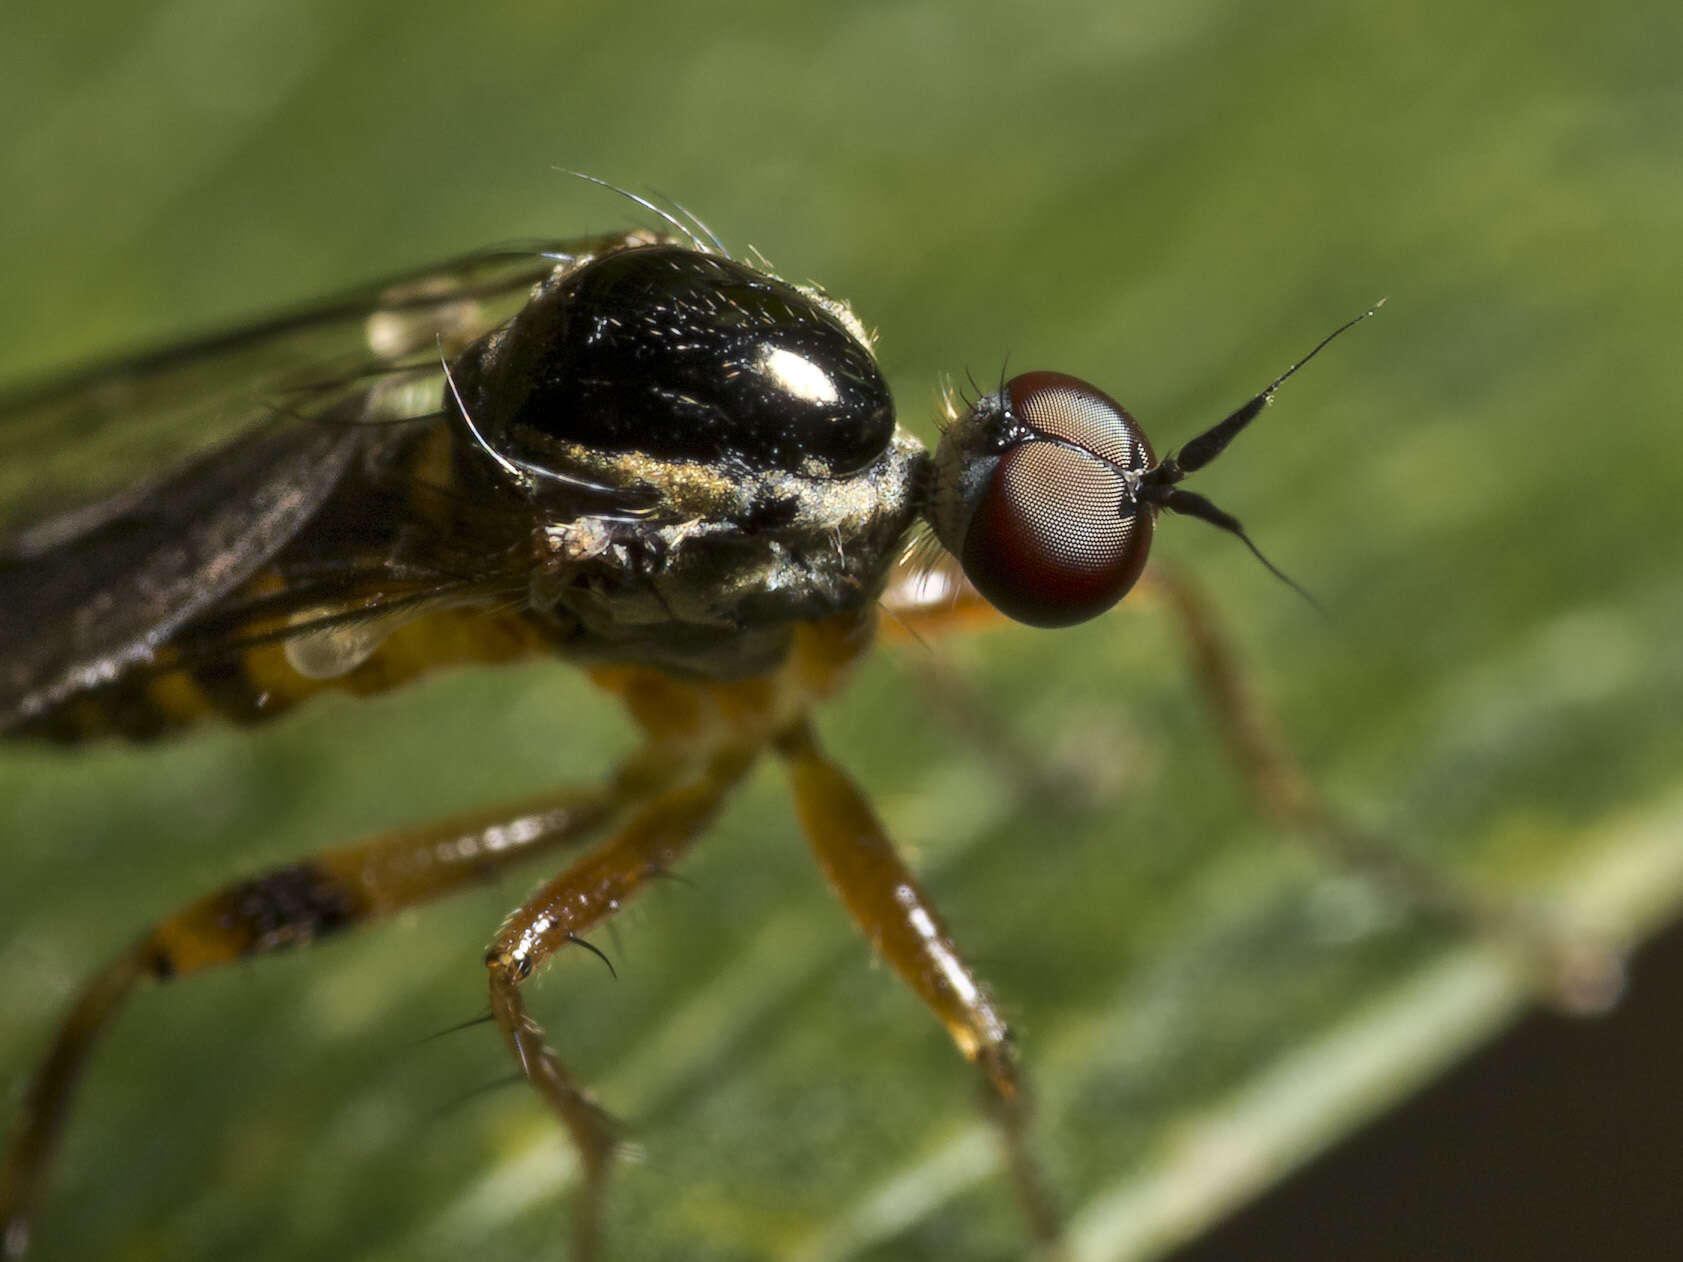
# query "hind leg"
(326, 893)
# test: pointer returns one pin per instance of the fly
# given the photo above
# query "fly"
(634, 452)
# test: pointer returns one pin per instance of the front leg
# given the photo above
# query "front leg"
(887, 903)
(1577, 971)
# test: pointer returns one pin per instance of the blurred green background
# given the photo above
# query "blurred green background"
(1173, 199)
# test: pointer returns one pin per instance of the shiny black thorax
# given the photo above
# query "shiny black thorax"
(710, 455)
(686, 356)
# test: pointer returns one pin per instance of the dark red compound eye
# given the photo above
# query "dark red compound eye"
(1056, 535)
(1047, 492)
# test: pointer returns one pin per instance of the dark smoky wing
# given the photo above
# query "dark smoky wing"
(97, 603)
(138, 494)
(369, 355)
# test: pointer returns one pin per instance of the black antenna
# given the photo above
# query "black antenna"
(1191, 504)
(1157, 484)
(1213, 441)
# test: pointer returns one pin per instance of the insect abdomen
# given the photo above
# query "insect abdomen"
(262, 682)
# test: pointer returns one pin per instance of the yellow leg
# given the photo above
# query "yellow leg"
(895, 914)
(329, 892)
(1577, 973)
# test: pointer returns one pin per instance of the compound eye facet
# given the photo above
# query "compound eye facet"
(1055, 535)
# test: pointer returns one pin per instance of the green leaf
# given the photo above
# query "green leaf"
(1173, 200)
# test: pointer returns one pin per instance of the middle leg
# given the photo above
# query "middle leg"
(585, 895)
